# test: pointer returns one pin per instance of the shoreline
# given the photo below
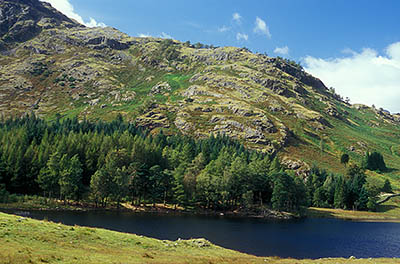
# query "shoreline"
(260, 213)
(159, 209)
(45, 204)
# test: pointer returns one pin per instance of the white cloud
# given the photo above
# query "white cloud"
(94, 23)
(142, 35)
(261, 27)
(282, 50)
(148, 35)
(237, 18)
(165, 36)
(223, 29)
(65, 7)
(242, 36)
(365, 77)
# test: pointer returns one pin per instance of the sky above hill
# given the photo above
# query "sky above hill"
(353, 46)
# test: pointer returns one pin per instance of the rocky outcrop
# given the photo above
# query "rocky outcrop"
(182, 124)
(21, 20)
(153, 119)
(98, 38)
(301, 75)
(238, 130)
(332, 111)
(300, 167)
(160, 88)
(264, 125)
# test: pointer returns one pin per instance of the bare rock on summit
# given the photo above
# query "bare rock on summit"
(23, 20)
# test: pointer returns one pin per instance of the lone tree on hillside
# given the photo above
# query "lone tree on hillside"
(375, 162)
(344, 159)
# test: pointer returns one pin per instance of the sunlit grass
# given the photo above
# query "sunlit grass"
(389, 211)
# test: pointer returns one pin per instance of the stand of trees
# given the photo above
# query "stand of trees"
(117, 161)
(350, 191)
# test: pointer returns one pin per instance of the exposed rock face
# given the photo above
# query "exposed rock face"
(300, 167)
(332, 111)
(159, 88)
(99, 38)
(301, 75)
(234, 128)
(21, 20)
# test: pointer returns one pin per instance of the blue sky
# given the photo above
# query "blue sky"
(330, 38)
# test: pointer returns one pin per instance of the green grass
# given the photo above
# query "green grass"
(24, 240)
(178, 81)
(387, 212)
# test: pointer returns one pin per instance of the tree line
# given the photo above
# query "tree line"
(117, 161)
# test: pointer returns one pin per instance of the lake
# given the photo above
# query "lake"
(304, 238)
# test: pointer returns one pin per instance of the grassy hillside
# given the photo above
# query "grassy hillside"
(24, 240)
(270, 104)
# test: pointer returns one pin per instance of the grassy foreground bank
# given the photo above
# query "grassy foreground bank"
(24, 240)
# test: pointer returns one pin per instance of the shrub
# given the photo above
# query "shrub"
(13, 198)
(3, 194)
(387, 187)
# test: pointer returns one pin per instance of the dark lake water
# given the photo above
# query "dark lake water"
(305, 238)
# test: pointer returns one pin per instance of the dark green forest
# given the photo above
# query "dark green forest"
(114, 162)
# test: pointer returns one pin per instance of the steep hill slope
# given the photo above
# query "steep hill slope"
(50, 64)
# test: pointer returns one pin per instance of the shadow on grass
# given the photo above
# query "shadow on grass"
(389, 170)
(296, 141)
(314, 213)
(385, 207)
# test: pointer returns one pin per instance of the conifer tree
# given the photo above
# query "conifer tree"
(387, 187)
(362, 201)
(260, 180)
(280, 193)
(340, 193)
(275, 166)
(48, 178)
(70, 179)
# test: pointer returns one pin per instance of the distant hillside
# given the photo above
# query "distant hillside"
(51, 64)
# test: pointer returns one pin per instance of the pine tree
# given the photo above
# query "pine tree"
(387, 187)
(179, 189)
(329, 187)
(70, 179)
(191, 174)
(236, 179)
(362, 201)
(319, 198)
(138, 181)
(280, 193)
(340, 193)
(260, 180)
(375, 161)
(100, 186)
(120, 183)
(48, 178)
(275, 166)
